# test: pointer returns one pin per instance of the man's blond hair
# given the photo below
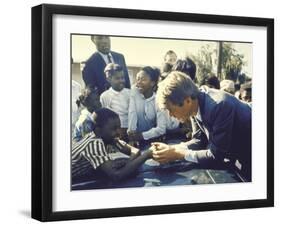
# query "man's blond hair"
(174, 89)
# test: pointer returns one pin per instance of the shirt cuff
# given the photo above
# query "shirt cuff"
(190, 155)
(146, 135)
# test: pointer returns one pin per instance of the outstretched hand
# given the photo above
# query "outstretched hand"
(164, 153)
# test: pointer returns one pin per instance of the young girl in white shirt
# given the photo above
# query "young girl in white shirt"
(117, 97)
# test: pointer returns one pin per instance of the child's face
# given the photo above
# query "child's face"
(171, 59)
(110, 130)
(117, 81)
(144, 83)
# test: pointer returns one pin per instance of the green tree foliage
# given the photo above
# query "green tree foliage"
(206, 62)
(232, 62)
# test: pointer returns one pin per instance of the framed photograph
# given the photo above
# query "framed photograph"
(145, 112)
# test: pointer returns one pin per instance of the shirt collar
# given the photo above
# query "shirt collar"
(198, 115)
(104, 55)
(150, 98)
(114, 91)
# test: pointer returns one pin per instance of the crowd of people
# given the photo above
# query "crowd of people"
(137, 119)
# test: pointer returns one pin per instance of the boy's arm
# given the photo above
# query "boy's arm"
(128, 169)
(126, 148)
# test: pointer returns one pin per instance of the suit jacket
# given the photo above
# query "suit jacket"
(93, 72)
(228, 122)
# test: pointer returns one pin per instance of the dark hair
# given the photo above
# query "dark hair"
(152, 72)
(102, 115)
(175, 88)
(166, 68)
(111, 68)
(213, 81)
(246, 86)
(97, 36)
(169, 52)
(85, 96)
(186, 66)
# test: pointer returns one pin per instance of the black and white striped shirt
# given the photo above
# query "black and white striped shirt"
(88, 153)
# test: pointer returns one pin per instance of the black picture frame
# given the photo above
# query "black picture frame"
(42, 107)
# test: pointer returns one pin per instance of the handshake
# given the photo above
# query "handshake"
(164, 153)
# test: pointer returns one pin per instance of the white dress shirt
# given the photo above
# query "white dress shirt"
(105, 57)
(117, 101)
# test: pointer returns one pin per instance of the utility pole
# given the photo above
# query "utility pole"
(219, 54)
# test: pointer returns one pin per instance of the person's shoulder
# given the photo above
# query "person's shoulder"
(93, 57)
(213, 102)
(96, 140)
(116, 53)
(215, 95)
(105, 94)
(126, 91)
(89, 138)
(134, 92)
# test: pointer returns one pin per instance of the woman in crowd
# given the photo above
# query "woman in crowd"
(146, 121)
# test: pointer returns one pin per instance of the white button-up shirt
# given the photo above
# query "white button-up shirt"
(117, 101)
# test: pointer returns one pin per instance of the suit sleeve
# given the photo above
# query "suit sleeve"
(199, 139)
(88, 75)
(221, 135)
(222, 129)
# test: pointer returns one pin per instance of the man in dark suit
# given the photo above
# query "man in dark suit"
(224, 120)
(93, 72)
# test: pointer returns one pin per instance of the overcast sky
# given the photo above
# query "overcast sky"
(146, 51)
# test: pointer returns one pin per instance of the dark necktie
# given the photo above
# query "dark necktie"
(109, 58)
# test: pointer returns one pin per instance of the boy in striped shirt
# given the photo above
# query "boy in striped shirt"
(93, 153)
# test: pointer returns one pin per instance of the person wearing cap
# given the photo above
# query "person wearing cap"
(117, 97)
(93, 72)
